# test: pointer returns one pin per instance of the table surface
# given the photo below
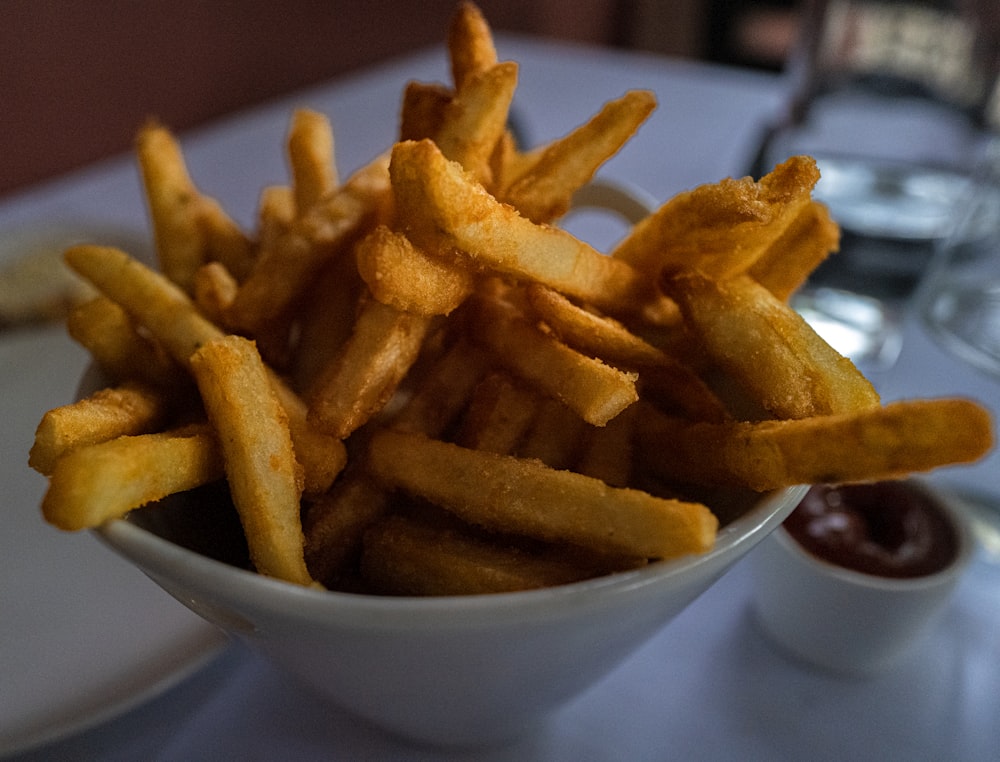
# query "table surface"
(708, 686)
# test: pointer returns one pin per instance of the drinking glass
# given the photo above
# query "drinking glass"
(893, 99)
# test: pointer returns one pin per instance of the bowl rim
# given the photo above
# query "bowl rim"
(159, 557)
(966, 548)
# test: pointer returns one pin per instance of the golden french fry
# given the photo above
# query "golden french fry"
(596, 391)
(526, 497)
(400, 274)
(98, 482)
(594, 334)
(768, 348)
(128, 409)
(174, 321)
(470, 44)
(476, 118)
(544, 191)
(283, 272)
(810, 238)
(498, 415)
(361, 378)
(190, 228)
(422, 111)
(720, 229)
(106, 331)
(877, 443)
(213, 289)
(264, 476)
(310, 154)
(556, 435)
(440, 200)
(444, 389)
(608, 453)
(325, 321)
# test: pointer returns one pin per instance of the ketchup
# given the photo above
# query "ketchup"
(888, 529)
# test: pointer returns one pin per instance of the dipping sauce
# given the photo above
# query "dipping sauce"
(888, 529)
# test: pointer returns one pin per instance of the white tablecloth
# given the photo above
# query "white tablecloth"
(708, 686)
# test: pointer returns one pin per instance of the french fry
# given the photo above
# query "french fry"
(810, 238)
(399, 274)
(95, 483)
(720, 229)
(436, 195)
(359, 381)
(470, 44)
(190, 228)
(476, 118)
(171, 317)
(768, 348)
(108, 413)
(498, 415)
(594, 334)
(264, 476)
(596, 391)
(526, 497)
(310, 154)
(283, 272)
(556, 435)
(885, 442)
(423, 109)
(544, 191)
(105, 330)
(213, 289)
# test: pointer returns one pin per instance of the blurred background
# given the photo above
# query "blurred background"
(76, 79)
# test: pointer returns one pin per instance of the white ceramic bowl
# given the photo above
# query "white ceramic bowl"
(453, 670)
(847, 621)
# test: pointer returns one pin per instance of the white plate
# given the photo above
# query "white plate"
(83, 635)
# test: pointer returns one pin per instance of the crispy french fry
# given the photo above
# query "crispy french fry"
(171, 317)
(264, 476)
(596, 391)
(359, 381)
(283, 272)
(441, 201)
(594, 334)
(609, 452)
(401, 275)
(310, 154)
(476, 118)
(470, 44)
(556, 435)
(498, 415)
(810, 238)
(720, 229)
(884, 442)
(443, 391)
(768, 348)
(214, 289)
(105, 330)
(543, 192)
(98, 482)
(422, 112)
(128, 409)
(190, 228)
(526, 497)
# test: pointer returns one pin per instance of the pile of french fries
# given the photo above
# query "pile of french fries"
(416, 383)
